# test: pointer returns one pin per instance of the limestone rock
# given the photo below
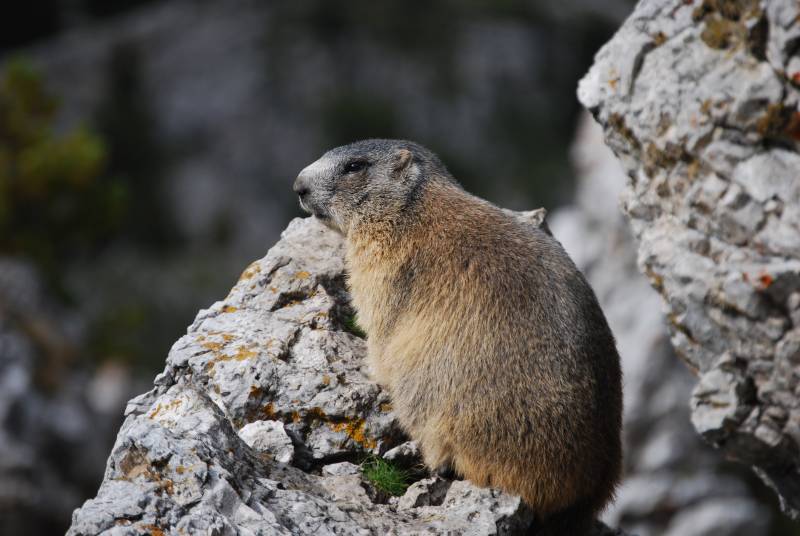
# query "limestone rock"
(404, 455)
(269, 437)
(279, 353)
(699, 100)
(668, 469)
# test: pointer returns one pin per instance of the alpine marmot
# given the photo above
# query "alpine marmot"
(491, 343)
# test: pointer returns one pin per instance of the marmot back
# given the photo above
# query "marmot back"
(490, 341)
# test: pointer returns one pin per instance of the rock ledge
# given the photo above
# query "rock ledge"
(262, 412)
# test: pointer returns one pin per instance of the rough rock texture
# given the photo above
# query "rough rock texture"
(276, 349)
(699, 100)
(674, 483)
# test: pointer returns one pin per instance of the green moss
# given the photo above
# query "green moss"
(350, 323)
(385, 476)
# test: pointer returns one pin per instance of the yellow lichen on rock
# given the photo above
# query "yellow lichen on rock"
(355, 430)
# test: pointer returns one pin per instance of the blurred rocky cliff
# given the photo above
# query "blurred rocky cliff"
(56, 417)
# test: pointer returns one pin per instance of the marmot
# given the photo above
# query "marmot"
(490, 341)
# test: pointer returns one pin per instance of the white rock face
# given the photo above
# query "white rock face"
(269, 437)
(668, 469)
(275, 362)
(700, 103)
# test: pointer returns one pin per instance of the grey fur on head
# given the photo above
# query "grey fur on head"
(349, 182)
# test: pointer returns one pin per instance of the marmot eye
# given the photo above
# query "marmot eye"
(355, 165)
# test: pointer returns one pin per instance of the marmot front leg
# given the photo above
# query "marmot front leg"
(446, 471)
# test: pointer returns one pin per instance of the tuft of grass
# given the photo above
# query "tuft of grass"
(385, 476)
(350, 323)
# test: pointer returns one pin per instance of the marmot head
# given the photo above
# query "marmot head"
(370, 180)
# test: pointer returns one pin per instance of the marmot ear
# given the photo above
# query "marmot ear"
(402, 159)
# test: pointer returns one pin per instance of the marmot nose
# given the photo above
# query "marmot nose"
(300, 186)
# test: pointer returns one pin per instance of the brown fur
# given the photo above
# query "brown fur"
(492, 345)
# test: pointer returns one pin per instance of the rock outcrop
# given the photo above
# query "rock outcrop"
(261, 415)
(699, 100)
(675, 484)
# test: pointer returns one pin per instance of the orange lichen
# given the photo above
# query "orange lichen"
(354, 429)
(172, 405)
(793, 126)
(302, 275)
(386, 407)
(136, 464)
(779, 120)
(721, 33)
(229, 309)
(693, 169)
(617, 123)
(213, 346)
(269, 411)
(316, 413)
(167, 485)
(243, 353)
(250, 271)
(153, 530)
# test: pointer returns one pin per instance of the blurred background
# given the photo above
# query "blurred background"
(147, 151)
